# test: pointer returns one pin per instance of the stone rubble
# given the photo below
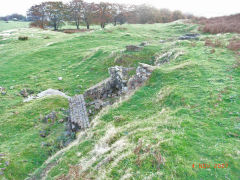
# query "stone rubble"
(189, 36)
(143, 72)
(167, 57)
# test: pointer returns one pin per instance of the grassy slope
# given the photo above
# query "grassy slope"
(188, 111)
(175, 112)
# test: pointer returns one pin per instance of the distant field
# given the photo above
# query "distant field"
(12, 25)
(188, 111)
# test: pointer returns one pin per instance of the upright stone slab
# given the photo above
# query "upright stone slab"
(78, 113)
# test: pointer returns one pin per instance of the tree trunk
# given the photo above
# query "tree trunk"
(55, 26)
(77, 24)
(88, 26)
(102, 25)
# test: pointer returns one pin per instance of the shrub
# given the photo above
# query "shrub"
(22, 38)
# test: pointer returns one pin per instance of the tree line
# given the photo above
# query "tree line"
(14, 17)
(79, 12)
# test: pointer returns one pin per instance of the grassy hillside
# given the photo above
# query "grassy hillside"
(187, 113)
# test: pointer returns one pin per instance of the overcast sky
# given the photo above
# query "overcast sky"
(207, 8)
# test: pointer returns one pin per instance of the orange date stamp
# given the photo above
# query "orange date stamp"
(207, 166)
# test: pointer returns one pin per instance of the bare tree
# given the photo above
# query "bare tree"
(37, 13)
(55, 13)
(104, 13)
(75, 11)
(119, 13)
(89, 13)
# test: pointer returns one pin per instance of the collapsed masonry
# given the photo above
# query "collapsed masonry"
(117, 84)
(112, 86)
(167, 57)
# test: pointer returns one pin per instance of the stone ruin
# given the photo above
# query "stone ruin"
(78, 117)
(117, 84)
(143, 72)
(167, 57)
(112, 86)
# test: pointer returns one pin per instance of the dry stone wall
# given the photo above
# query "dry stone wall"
(78, 117)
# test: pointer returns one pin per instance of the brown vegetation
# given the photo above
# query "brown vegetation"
(222, 24)
(142, 152)
(215, 43)
(234, 44)
(71, 31)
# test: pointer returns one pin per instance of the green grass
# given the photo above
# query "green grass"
(12, 25)
(188, 111)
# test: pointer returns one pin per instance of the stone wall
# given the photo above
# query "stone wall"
(112, 86)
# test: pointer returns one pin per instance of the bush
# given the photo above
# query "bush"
(22, 38)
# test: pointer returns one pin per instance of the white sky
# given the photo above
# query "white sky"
(207, 8)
